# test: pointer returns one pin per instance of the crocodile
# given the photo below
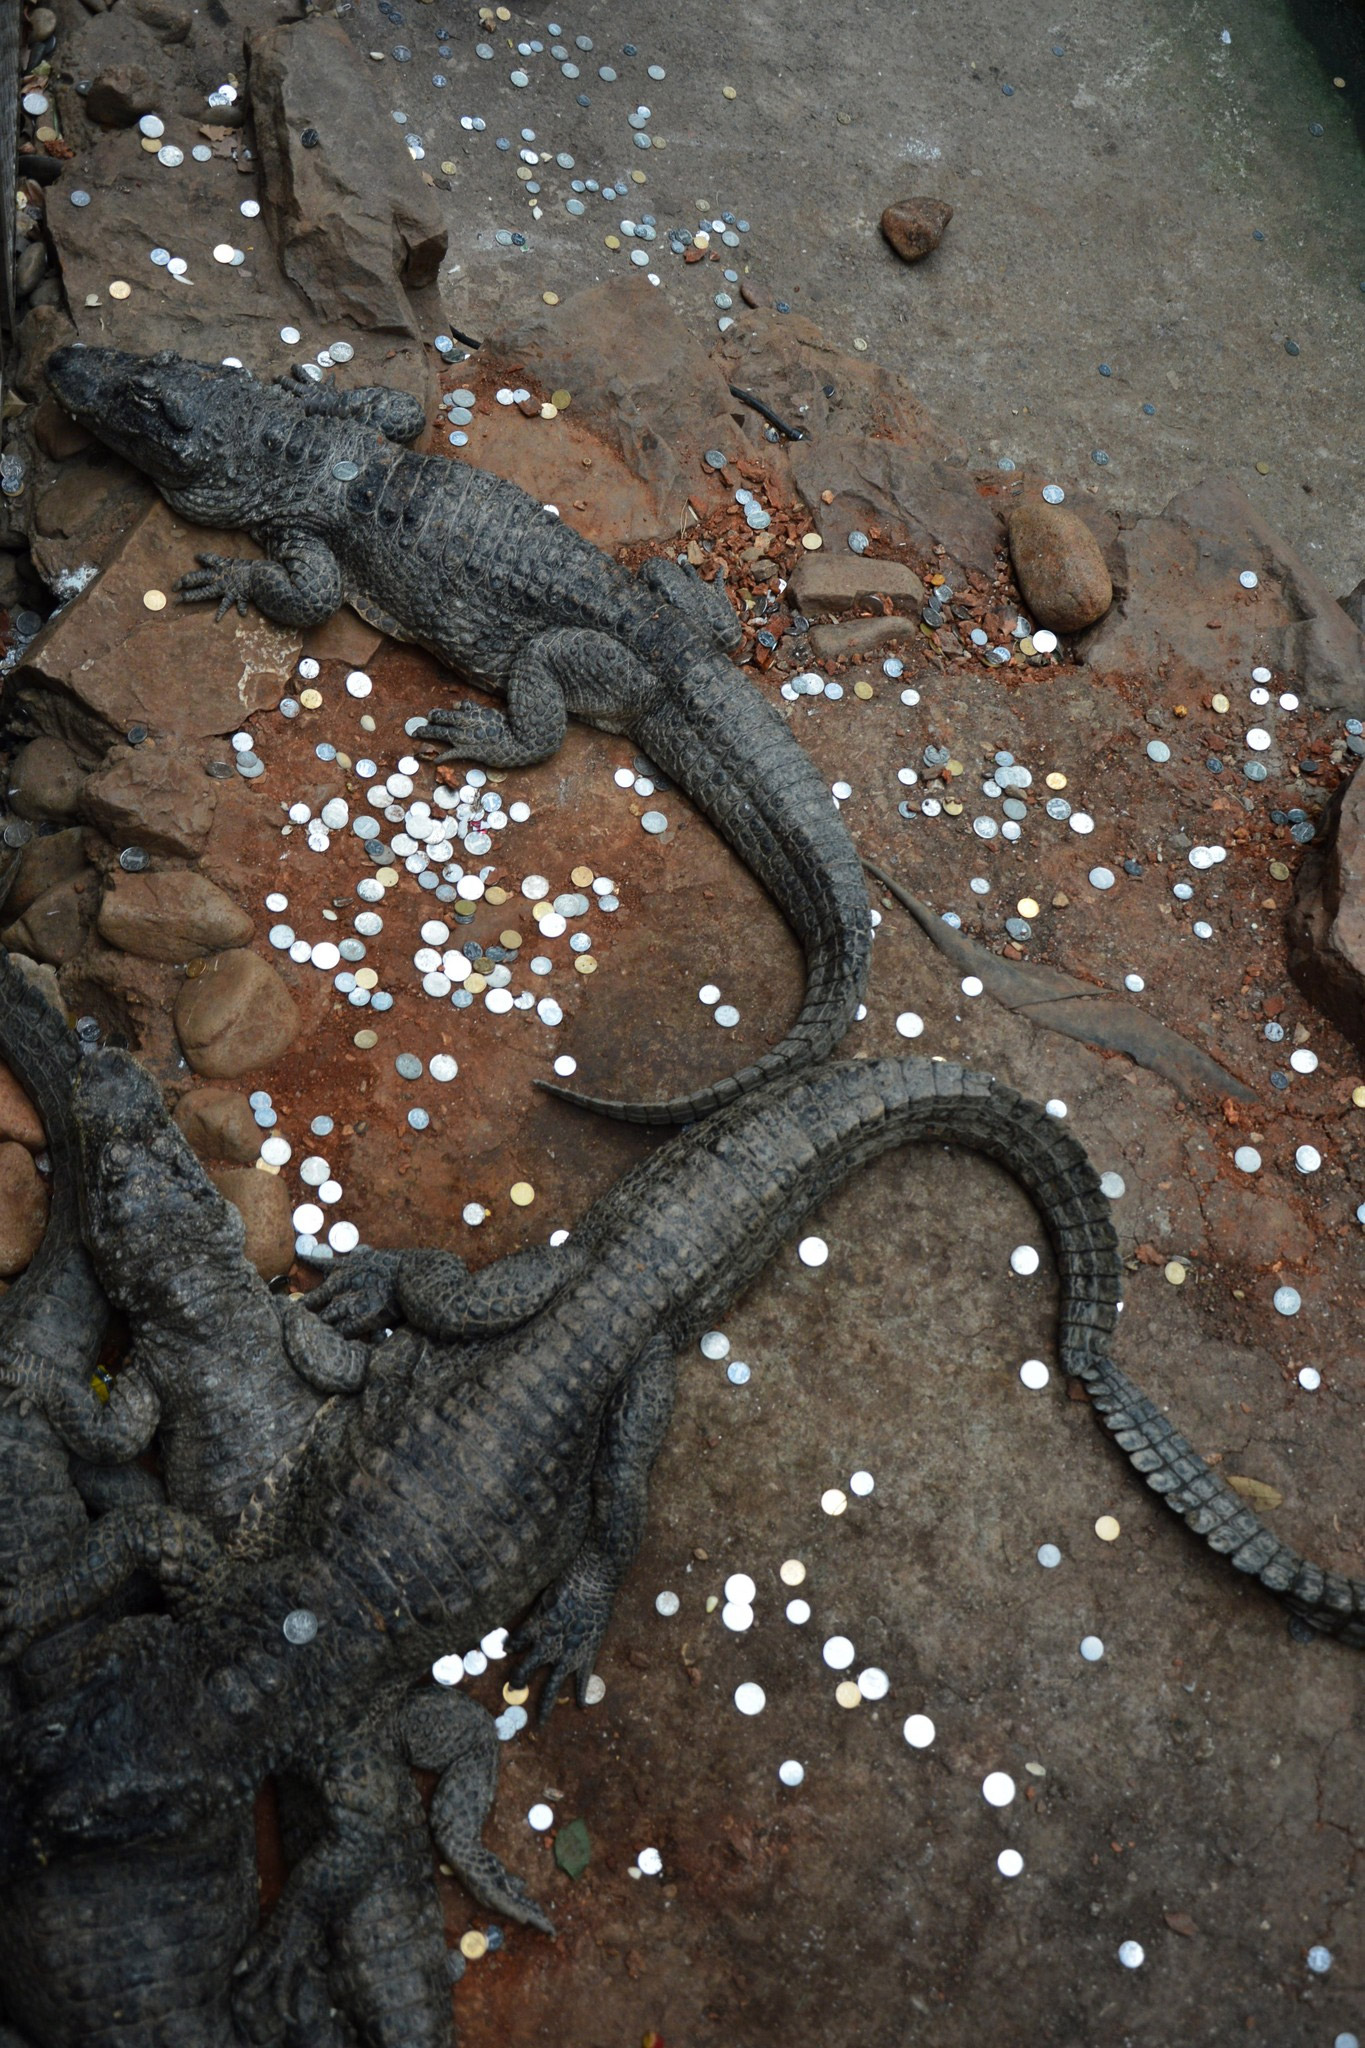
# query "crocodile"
(496, 1465)
(514, 601)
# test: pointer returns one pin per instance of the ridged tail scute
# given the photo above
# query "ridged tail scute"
(1328, 1601)
(722, 742)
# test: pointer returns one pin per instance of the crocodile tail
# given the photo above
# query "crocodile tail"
(722, 742)
(1328, 1601)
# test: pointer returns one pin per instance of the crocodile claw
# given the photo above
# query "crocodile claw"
(565, 1631)
(226, 577)
(359, 1294)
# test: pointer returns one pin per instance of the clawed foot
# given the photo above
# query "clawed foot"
(226, 577)
(443, 729)
(359, 1295)
(268, 1980)
(565, 1630)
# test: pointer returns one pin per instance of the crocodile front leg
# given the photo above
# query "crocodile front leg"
(177, 1549)
(451, 1733)
(571, 668)
(397, 414)
(106, 1432)
(439, 1296)
(566, 1627)
(298, 585)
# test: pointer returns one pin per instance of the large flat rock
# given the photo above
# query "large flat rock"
(1187, 614)
(106, 662)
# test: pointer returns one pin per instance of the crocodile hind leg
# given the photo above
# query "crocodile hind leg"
(705, 605)
(571, 668)
(567, 1624)
(439, 1296)
(451, 1733)
(330, 1362)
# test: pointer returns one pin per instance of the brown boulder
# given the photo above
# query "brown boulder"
(352, 221)
(106, 661)
(171, 916)
(54, 927)
(262, 1201)
(236, 1015)
(1327, 916)
(55, 858)
(46, 780)
(914, 227)
(921, 504)
(20, 1123)
(151, 798)
(23, 1209)
(42, 329)
(56, 433)
(120, 95)
(1059, 567)
(850, 638)
(218, 1124)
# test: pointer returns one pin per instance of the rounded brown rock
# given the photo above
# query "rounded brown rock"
(262, 1202)
(23, 1208)
(218, 1124)
(1060, 569)
(46, 780)
(235, 1016)
(914, 227)
(173, 915)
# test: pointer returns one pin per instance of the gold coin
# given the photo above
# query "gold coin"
(637, 177)
(561, 399)
(524, 172)
(155, 600)
(1026, 907)
(1026, 645)
(1358, 1097)
(584, 963)
(119, 290)
(1263, 469)
(582, 878)
(727, 92)
(473, 1945)
(542, 909)
(811, 541)
(475, 983)
(847, 1693)
(509, 939)
(863, 690)
(388, 876)
(264, 1166)
(46, 134)
(311, 700)
(551, 299)
(956, 768)
(495, 895)
(521, 1192)
(1175, 1273)
(1220, 703)
(1056, 781)
(365, 1039)
(953, 810)
(151, 143)
(516, 1695)
(448, 169)
(1279, 872)
(612, 241)
(792, 1572)
(548, 411)
(503, 13)
(367, 722)
(1107, 1529)
(343, 761)
(366, 978)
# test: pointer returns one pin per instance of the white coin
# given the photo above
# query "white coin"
(919, 1731)
(750, 1698)
(909, 1024)
(997, 1788)
(1024, 1259)
(541, 1816)
(812, 1251)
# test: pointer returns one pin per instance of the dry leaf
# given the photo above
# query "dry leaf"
(1256, 1491)
(1180, 1923)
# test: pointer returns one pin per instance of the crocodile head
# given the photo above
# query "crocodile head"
(144, 1749)
(175, 419)
(157, 1228)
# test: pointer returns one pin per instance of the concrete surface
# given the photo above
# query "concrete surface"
(1106, 211)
